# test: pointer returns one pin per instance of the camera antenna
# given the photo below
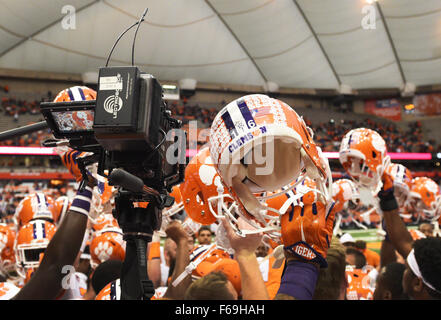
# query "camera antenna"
(136, 31)
(121, 35)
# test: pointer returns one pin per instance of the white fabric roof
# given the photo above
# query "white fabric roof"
(295, 43)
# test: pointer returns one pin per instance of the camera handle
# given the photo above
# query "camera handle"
(137, 224)
(135, 283)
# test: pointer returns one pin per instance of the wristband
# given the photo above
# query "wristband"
(387, 201)
(155, 250)
(299, 280)
(81, 202)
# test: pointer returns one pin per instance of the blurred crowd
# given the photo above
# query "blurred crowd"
(232, 251)
(15, 107)
(327, 134)
(33, 139)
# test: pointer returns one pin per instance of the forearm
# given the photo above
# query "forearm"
(387, 254)
(61, 251)
(397, 232)
(395, 227)
(154, 264)
(298, 280)
(182, 260)
(253, 286)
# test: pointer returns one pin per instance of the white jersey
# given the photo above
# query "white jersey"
(78, 287)
(8, 290)
(264, 267)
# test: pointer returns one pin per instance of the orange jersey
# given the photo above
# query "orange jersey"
(271, 276)
(372, 258)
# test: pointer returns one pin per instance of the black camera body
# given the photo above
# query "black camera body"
(131, 130)
(130, 127)
(131, 123)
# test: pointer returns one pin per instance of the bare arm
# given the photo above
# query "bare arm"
(398, 233)
(253, 286)
(394, 225)
(177, 234)
(387, 254)
(154, 262)
(61, 251)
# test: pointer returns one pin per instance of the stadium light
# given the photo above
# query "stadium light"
(43, 151)
(32, 151)
(169, 86)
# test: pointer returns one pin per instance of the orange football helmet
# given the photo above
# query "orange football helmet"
(62, 205)
(102, 198)
(249, 124)
(35, 206)
(30, 272)
(80, 119)
(345, 195)
(402, 179)
(205, 199)
(416, 234)
(177, 206)
(363, 155)
(202, 258)
(107, 244)
(191, 226)
(112, 291)
(359, 287)
(104, 221)
(7, 253)
(30, 244)
(202, 192)
(425, 198)
(76, 93)
(231, 269)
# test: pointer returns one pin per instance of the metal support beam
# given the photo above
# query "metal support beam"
(237, 40)
(43, 29)
(403, 77)
(318, 42)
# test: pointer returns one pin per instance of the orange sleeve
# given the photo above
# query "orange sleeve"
(372, 258)
(274, 278)
(154, 250)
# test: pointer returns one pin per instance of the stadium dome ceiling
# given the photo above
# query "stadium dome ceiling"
(294, 43)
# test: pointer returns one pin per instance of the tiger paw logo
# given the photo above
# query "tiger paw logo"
(4, 289)
(208, 173)
(103, 251)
